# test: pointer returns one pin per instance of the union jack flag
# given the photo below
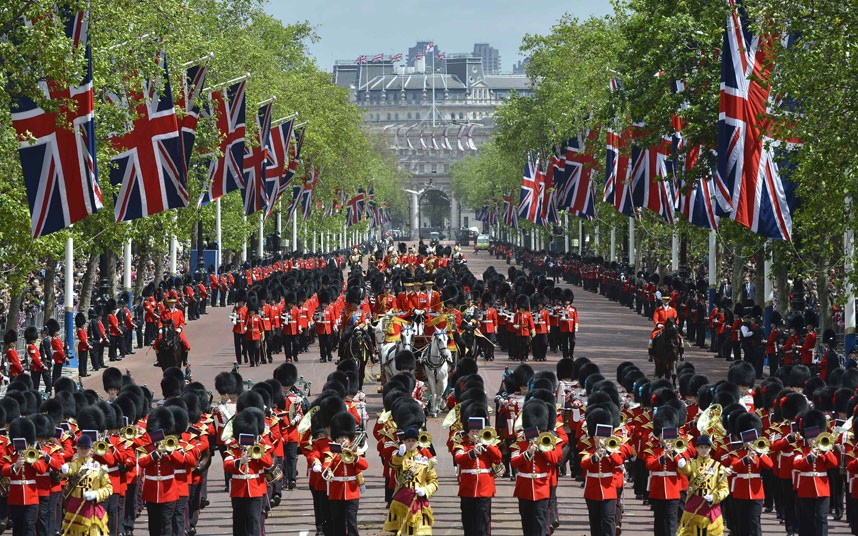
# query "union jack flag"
(396, 57)
(307, 191)
(493, 214)
(149, 165)
(355, 208)
(296, 199)
(370, 201)
(697, 205)
(652, 185)
(59, 165)
(430, 47)
(580, 169)
(510, 214)
(192, 86)
(278, 157)
(442, 55)
(483, 213)
(617, 181)
(548, 213)
(226, 172)
(532, 187)
(377, 58)
(255, 160)
(749, 185)
(361, 60)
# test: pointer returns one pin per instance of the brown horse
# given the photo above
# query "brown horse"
(665, 351)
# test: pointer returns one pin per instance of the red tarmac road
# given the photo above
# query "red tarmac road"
(609, 334)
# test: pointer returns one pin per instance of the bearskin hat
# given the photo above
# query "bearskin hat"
(330, 404)
(286, 374)
(52, 326)
(595, 417)
(12, 409)
(823, 398)
(537, 414)
(31, 333)
(798, 376)
(748, 421)
(742, 373)
(812, 419)
(225, 383)
(408, 414)
(23, 428)
(53, 408)
(586, 371)
(546, 375)
(793, 405)
(630, 378)
(43, 426)
(181, 420)
(405, 360)
(79, 320)
(828, 337)
(10, 337)
(522, 302)
(666, 417)
(162, 419)
(92, 418)
(343, 425)
(542, 394)
(565, 368)
(661, 396)
(111, 378)
(850, 379)
(128, 407)
(354, 295)
(250, 399)
(69, 404)
(171, 387)
(522, 374)
(244, 423)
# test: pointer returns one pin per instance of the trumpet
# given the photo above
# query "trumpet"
(546, 441)
(824, 442)
(488, 436)
(761, 446)
(101, 448)
(613, 444)
(129, 433)
(678, 445)
(169, 444)
(255, 451)
(31, 455)
(424, 440)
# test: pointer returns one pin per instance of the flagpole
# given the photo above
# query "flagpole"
(266, 101)
(613, 243)
(768, 289)
(140, 38)
(243, 240)
(295, 231)
(126, 272)
(207, 57)
(580, 236)
(218, 236)
(68, 298)
(674, 250)
(565, 231)
(632, 242)
(279, 222)
(173, 247)
(228, 83)
(261, 246)
(713, 266)
(282, 120)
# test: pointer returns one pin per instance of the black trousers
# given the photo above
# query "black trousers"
(43, 521)
(56, 372)
(82, 356)
(161, 518)
(602, 516)
(37, 379)
(238, 342)
(326, 344)
(290, 462)
(129, 513)
(567, 343)
(476, 515)
(553, 513)
(666, 514)
(554, 337)
(540, 346)
(246, 516)
(534, 517)
(321, 512)
(788, 499)
(291, 347)
(835, 485)
(747, 514)
(213, 294)
(116, 347)
(812, 516)
(252, 351)
(112, 507)
(23, 519)
(343, 518)
(523, 345)
(150, 333)
(852, 514)
(180, 517)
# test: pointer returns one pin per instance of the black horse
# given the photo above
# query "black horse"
(666, 348)
(472, 346)
(355, 345)
(170, 347)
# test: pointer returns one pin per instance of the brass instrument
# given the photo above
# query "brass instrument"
(129, 433)
(613, 444)
(845, 427)
(451, 418)
(255, 451)
(101, 448)
(498, 470)
(488, 436)
(761, 446)
(169, 444)
(31, 456)
(825, 442)
(546, 441)
(306, 420)
(349, 454)
(424, 440)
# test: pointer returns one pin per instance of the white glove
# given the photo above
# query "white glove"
(682, 463)
(420, 491)
(317, 468)
(90, 495)
(65, 469)
(179, 330)
(708, 498)
(401, 450)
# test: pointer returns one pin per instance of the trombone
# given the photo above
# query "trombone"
(488, 436)
(546, 441)
(30, 455)
(613, 444)
(129, 433)
(101, 448)
(824, 442)
(349, 454)
(761, 446)
(255, 451)
(169, 444)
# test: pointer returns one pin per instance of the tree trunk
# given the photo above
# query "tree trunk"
(760, 277)
(15, 300)
(781, 290)
(736, 277)
(111, 272)
(88, 283)
(159, 269)
(50, 294)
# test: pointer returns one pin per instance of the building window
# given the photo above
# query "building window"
(396, 116)
(461, 115)
(409, 115)
(434, 168)
(388, 117)
(418, 116)
(453, 116)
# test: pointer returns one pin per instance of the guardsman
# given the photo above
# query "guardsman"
(811, 464)
(747, 464)
(342, 468)
(253, 332)
(291, 327)
(489, 326)
(58, 354)
(37, 368)
(174, 315)
(533, 462)
(214, 286)
(50, 489)
(114, 331)
(325, 319)
(541, 324)
(524, 327)
(293, 412)
(11, 354)
(659, 319)
(23, 496)
(265, 346)
(416, 481)
(247, 459)
(239, 320)
(475, 459)
(568, 324)
(664, 480)
(599, 463)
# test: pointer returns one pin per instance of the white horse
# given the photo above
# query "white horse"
(436, 361)
(390, 349)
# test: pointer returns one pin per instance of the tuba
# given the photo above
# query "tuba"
(709, 422)
(306, 420)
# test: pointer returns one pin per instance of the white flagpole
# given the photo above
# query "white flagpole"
(68, 298)
(218, 234)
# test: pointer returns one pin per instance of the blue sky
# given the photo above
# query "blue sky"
(349, 28)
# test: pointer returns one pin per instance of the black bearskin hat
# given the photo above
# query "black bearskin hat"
(405, 360)
(92, 418)
(536, 414)
(162, 419)
(565, 368)
(111, 378)
(343, 425)
(742, 373)
(224, 383)
(250, 399)
(23, 428)
(286, 374)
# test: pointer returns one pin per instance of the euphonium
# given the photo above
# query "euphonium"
(761, 446)
(613, 444)
(488, 436)
(100, 448)
(31, 456)
(170, 444)
(546, 441)
(825, 442)
(424, 440)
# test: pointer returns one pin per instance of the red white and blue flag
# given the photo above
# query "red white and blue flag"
(430, 47)
(149, 164)
(226, 172)
(510, 214)
(396, 57)
(532, 187)
(548, 214)
(278, 158)
(749, 186)
(57, 150)
(580, 169)
(617, 180)
(307, 189)
(698, 205)
(355, 208)
(652, 186)
(295, 200)
(192, 86)
(360, 60)
(377, 58)
(483, 214)
(255, 160)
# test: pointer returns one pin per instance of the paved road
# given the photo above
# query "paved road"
(609, 335)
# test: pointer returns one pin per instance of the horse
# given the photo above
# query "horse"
(469, 337)
(169, 353)
(666, 348)
(436, 360)
(390, 349)
(356, 346)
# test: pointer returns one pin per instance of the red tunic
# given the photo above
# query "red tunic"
(475, 471)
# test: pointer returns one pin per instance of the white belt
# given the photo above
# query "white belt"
(813, 474)
(475, 471)
(600, 475)
(664, 474)
(747, 476)
(158, 478)
(532, 475)
(22, 482)
(343, 478)
(248, 476)
(180, 472)
(113, 469)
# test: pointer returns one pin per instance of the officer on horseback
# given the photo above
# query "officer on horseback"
(659, 318)
(173, 315)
